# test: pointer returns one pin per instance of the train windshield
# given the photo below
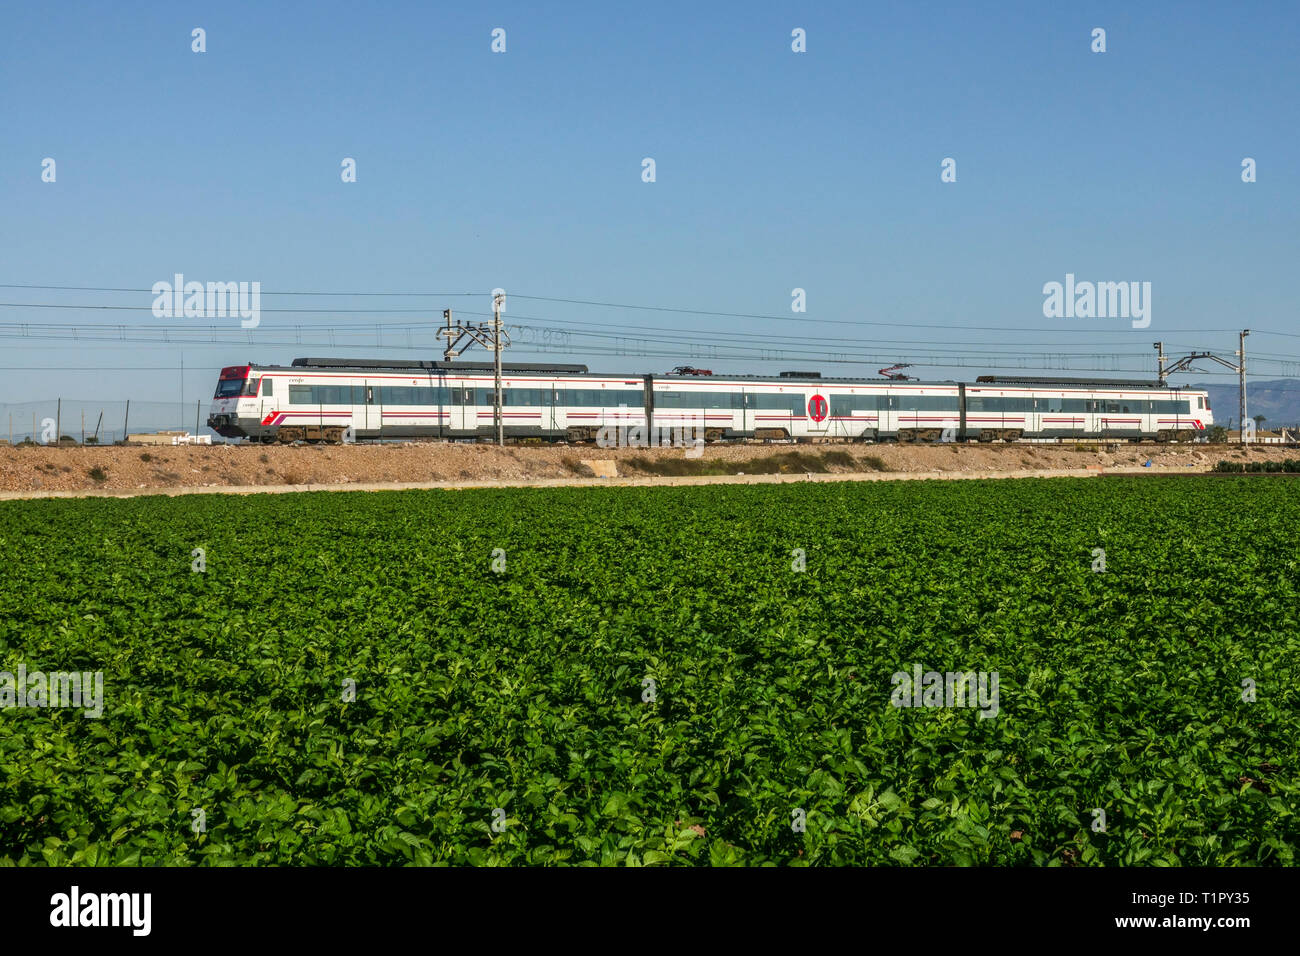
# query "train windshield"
(229, 387)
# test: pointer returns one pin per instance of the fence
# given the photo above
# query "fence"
(99, 422)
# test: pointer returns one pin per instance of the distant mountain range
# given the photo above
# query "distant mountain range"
(1278, 401)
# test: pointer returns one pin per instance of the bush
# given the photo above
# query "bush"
(145, 456)
(97, 473)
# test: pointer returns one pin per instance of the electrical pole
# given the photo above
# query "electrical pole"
(1241, 373)
(1185, 363)
(1160, 362)
(496, 362)
(451, 333)
(490, 335)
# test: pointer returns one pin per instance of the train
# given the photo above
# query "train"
(336, 400)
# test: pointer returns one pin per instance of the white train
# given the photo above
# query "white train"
(319, 399)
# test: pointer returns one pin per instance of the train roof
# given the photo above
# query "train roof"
(400, 365)
(1061, 380)
(785, 378)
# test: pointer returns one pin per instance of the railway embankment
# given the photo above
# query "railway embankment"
(35, 471)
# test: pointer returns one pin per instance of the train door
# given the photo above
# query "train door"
(372, 410)
(464, 413)
(264, 388)
(1092, 419)
(459, 401)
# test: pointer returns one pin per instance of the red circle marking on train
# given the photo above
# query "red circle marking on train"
(817, 408)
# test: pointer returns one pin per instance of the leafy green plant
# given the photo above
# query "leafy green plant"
(523, 689)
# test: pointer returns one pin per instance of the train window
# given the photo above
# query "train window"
(597, 398)
(1200, 403)
(267, 391)
(299, 394)
(929, 403)
(779, 402)
(250, 386)
(983, 404)
(531, 397)
(694, 399)
(843, 406)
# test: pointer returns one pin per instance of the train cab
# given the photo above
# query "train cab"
(235, 401)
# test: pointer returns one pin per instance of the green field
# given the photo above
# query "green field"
(524, 689)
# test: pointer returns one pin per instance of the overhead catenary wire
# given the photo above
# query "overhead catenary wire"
(604, 339)
(803, 318)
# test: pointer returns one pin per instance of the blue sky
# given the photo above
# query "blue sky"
(775, 170)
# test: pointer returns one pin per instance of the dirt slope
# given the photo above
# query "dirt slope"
(120, 468)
